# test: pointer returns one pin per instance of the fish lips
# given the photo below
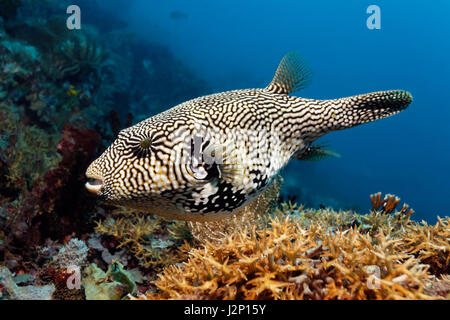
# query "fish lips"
(94, 185)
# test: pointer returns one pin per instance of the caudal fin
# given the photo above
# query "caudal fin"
(319, 117)
(352, 111)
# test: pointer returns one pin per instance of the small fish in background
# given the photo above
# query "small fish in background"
(206, 158)
(178, 15)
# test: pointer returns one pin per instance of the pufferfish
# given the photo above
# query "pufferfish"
(206, 158)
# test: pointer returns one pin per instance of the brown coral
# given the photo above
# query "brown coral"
(287, 261)
(430, 244)
(388, 204)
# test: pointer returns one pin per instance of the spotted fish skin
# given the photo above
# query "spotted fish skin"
(209, 156)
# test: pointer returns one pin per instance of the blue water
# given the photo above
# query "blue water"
(237, 44)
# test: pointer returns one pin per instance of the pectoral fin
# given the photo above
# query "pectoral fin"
(226, 162)
(316, 153)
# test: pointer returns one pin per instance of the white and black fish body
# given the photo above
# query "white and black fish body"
(209, 156)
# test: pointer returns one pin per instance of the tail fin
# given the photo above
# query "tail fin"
(352, 111)
(319, 117)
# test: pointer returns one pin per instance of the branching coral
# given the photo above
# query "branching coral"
(145, 236)
(316, 254)
(394, 223)
(388, 204)
(430, 244)
(287, 261)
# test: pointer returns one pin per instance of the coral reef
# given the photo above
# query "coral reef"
(288, 261)
(63, 95)
(58, 187)
(153, 241)
(297, 253)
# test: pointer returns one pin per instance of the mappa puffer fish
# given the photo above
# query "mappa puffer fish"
(207, 157)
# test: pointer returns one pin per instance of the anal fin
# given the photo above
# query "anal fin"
(316, 153)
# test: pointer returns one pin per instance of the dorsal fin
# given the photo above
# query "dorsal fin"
(292, 74)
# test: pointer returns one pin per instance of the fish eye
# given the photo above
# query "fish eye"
(145, 143)
(141, 145)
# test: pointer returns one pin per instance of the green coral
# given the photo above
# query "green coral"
(120, 275)
(114, 284)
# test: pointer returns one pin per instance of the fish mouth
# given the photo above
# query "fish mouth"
(94, 184)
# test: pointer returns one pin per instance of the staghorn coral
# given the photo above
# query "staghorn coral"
(316, 254)
(287, 261)
(430, 244)
(394, 223)
(388, 204)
